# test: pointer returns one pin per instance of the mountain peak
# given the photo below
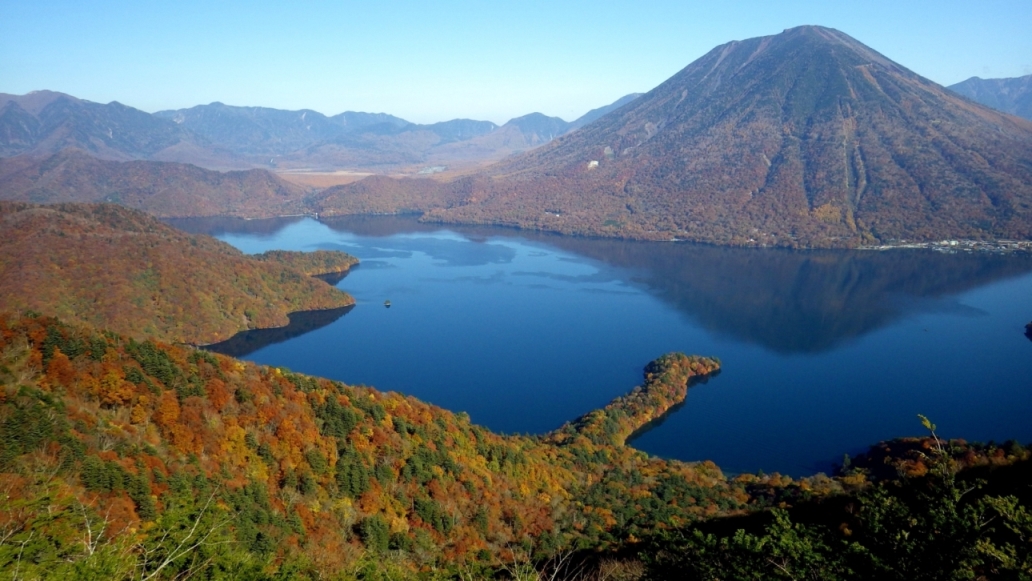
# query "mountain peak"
(814, 29)
(804, 138)
(35, 101)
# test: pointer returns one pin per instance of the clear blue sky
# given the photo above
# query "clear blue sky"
(433, 61)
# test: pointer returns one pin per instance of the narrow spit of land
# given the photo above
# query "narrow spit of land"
(667, 380)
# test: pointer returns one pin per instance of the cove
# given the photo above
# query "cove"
(823, 352)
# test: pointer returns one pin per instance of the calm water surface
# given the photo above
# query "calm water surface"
(824, 352)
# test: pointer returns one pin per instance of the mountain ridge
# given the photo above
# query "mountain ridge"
(219, 136)
(163, 189)
(1013, 95)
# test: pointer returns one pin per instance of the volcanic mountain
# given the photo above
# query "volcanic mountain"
(805, 138)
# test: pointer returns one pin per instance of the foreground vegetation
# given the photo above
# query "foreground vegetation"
(122, 459)
(126, 457)
(930, 521)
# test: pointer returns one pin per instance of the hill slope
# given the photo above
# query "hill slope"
(162, 189)
(125, 460)
(122, 269)
(1012, 96)
(805, 138)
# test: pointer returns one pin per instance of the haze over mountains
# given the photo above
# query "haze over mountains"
(218, 136)
(1012, 96)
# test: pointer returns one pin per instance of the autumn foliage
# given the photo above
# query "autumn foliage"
(163, 189)
(299, 463)
(123, 270)
(666, 384)
(134, 444)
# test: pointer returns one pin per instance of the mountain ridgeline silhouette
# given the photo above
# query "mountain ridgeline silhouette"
(805, 138)
(219, 136)
(1012, 96)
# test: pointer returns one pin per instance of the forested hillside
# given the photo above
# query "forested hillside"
(124, 270)
(45, 122)
(166, 456)
(162, 189)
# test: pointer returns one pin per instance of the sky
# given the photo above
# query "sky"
(434, 61)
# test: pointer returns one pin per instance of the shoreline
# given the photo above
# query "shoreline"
(957, 246)
(949, 246)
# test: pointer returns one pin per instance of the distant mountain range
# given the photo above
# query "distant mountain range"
(1012, 96)
(805, 138)
(219, 136)
(46, 122)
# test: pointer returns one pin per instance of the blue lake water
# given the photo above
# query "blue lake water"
(824, 352)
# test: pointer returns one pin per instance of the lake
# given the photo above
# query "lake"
(823, 352)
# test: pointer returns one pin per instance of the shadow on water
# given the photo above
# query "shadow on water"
(248, 342)
(332, 278)
(379, 226)
(788, 301)
(694, 381)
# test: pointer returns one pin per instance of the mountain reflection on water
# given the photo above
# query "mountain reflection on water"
(219, 225)
(801, 301)
(789, 301)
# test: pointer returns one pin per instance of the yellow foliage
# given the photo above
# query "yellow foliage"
(828, 214)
